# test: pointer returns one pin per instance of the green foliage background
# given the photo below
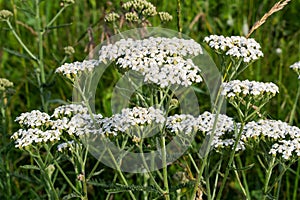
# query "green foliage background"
(199, 18)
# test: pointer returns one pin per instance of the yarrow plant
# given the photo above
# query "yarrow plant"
(155, 136)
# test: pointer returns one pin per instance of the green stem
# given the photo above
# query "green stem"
(239, 163)
(217, 178)
(238, 179)
(61, 170)
(294, 106)
(296, 181)
(194, 163)
(230, 161)
(120, 173)
(20, 41)
(207, 146)
(49, 184)
(165, 169)
(55, 17)
(66, 177)
(268, 177)
(150, 174)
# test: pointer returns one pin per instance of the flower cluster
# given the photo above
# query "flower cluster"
(287, 148)
(69, 50)
(164, 16)
(286, 137)
(131, 16)
(66, 121)
(111, 17)
(258, 90)
(34, 119)
(5, 14)
(223, 134)
(69, 110)
(141, 6)
(132, 117)
(270, 129)
(84, 124)
(27, 137)
(4, 84)
(160, 60)
(74, 69)
(296, 68)
(235, 46)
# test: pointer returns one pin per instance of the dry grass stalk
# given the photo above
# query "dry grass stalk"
(278, 6)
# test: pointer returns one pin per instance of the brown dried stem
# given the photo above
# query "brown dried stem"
(277, 7)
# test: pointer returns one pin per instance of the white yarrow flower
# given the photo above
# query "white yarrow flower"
(238, 47)
(76, 68)
(237, 88)
(162, 61)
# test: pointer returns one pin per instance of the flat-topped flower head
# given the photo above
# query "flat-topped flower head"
(132, 117)
(237, 89)
(296, 68)
(141, 6)
(69, 110)
(75, 69)
(85, 124)
(31, 136)
(34, 119)
(238, 47)
(162, 61)
(286, 148)
(223, 134)
(272, 130)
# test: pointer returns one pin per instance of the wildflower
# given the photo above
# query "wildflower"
(141, 6)
(5, 15)
(162, 61)
(71, 70)
(4, 84)
(238, 47)
(164, 16)
(223, 134)
(132, 117)
(132, 17)
(239, 89)
(286, 148)
(111, 17)
(25, 138)
(270, 129)
(69, 110)
(34, 119)
(296, 68)
(69, 50)
(85, 124)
